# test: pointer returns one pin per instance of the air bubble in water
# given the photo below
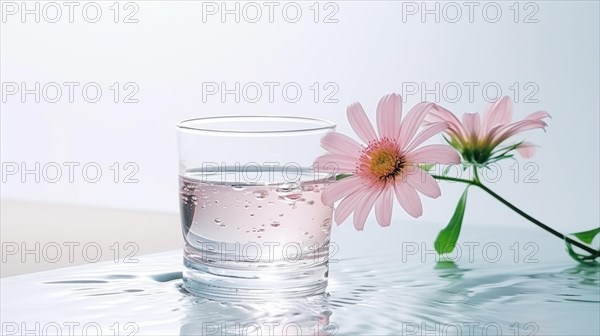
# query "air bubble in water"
(307, 188)
(238, 188)
(291, 198)
(287, 188)
(260, 194)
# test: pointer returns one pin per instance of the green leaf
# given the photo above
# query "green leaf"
(587, 236)
(447, 238)
(498, 158)
(446, 170)
(584, 259)
(341, 176)
(426, 166)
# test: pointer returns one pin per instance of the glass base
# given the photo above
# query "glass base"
(258, 281)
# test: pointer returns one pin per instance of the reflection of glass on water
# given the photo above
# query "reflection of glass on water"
(249, 227)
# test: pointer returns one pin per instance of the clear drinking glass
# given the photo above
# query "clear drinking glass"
(253, 222)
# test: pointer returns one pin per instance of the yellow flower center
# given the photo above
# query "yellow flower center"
(381, 161)
(384, 162)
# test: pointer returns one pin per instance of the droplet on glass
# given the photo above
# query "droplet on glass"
(275, 224)
(238, 187)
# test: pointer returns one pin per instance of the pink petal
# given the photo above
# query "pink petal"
(526, 149)
(408, 199)
(440, 114)
(389, 116)
(412, 122)
(539, 115)
(336, 163)
(435, 154)
(498, 135)
(424, 183)
(360, 123)
(364, 207)
(341, 144)
(383, 207)
(346, 206)
(498, 113)
(340, 189)
(427, 133)
(472, 123)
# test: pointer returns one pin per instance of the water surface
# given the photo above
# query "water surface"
(503, 282)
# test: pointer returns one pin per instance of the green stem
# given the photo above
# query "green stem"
(453, 179)
(475, 175)
(519, 211)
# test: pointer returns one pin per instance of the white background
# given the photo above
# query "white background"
(373, 49)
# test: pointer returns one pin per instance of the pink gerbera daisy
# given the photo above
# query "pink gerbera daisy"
(389, 164)
(479, 139)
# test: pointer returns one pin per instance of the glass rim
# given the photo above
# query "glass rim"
(202, 125)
